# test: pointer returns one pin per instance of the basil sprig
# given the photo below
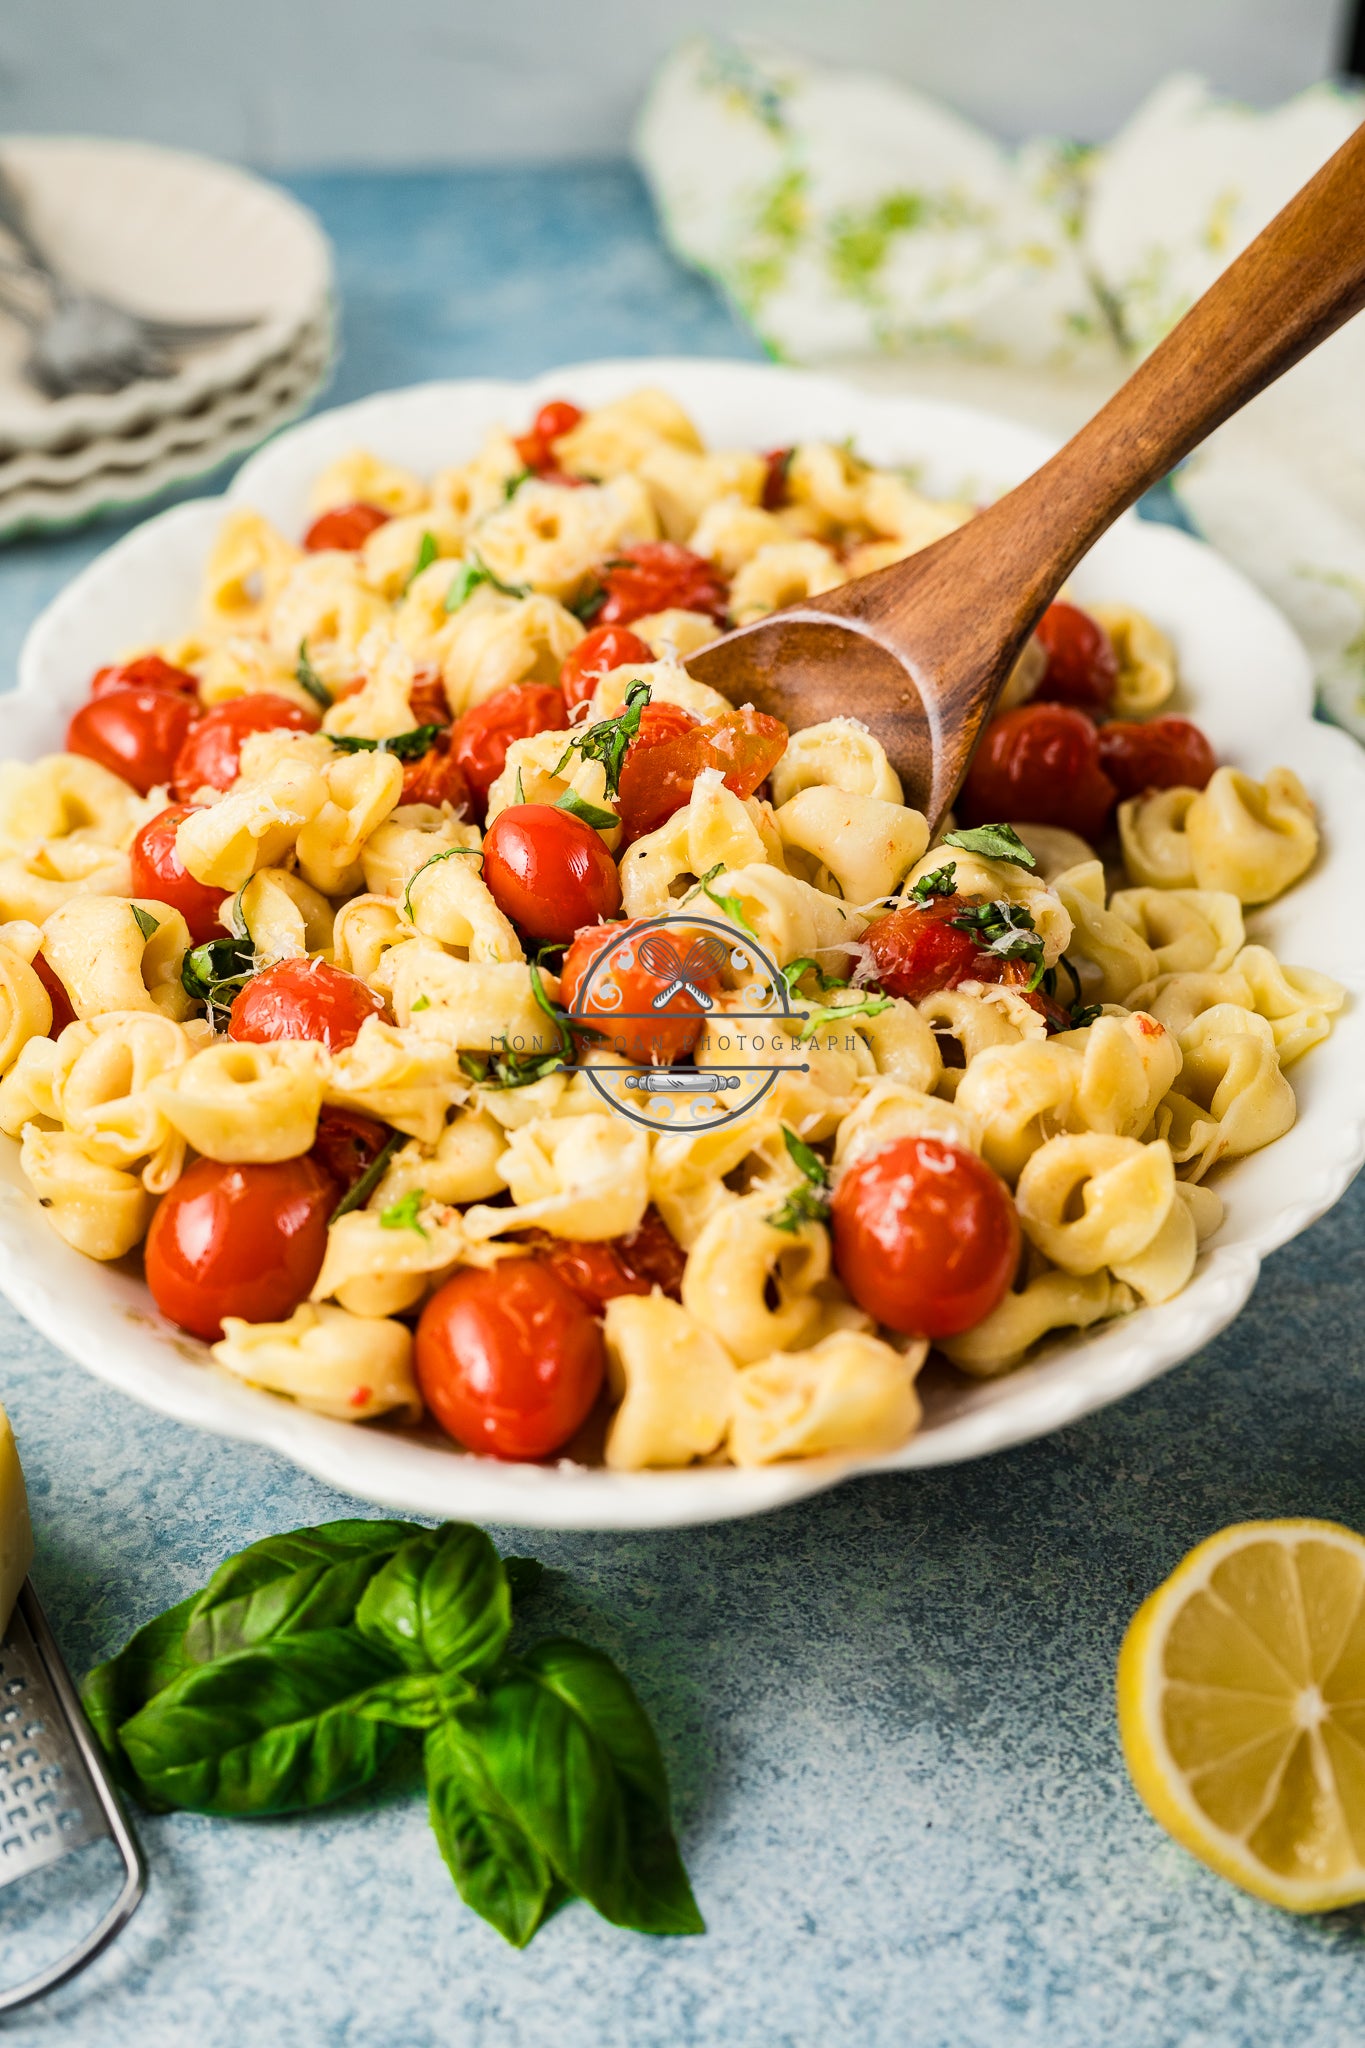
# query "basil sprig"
(311, 1658)
(993, 842)
(808, 1201)
(404, 746)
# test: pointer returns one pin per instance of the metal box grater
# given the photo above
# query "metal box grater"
(55, 1792)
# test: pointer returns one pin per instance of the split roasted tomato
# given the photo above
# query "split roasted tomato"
(347, 1145)
(649, 1257)
(672, 748)
(509, 1360)
(619, 1000)
(62, 1011)
(345, 528)
(549, 871)
(551, 423)
(1039, 764)
(606, 647)
(148, 672)
(157, 872)
(303, 999)
(775, 491)
(427, 699)
(436, 777)
(1082, 667)
(1166, 753)
(211, 755)
(136, 731)
(661, 576)
(917, 950)
(925, 1237)
(238, 1241)
(481, 737)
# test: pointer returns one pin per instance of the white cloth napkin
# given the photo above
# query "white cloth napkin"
(852, 221)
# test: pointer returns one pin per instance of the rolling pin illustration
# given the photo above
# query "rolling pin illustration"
(681, 1081)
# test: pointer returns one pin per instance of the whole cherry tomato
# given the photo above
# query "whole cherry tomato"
(548, 871)
(347, 1145)
(480, 739)
(157, 872)
(211, 754)
(136, 732)
(551, 423)
(1039, 764)
(62, 1012)
(238, 1241)
(1167, 753)
(671, 749)
(926, 1237)
(436, 777)
(509, 1360)
(606, 647)
(1082, 667)
(345, 527)
(303, 999)
(617, 1001)
(917, 951)
(148, 672)
(660, 576)
(775, 491)
(648, 1257)
(427, 699)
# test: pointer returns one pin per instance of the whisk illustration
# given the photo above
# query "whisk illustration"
(706, 954)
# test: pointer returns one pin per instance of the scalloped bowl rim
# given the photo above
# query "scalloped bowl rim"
(1249, 681)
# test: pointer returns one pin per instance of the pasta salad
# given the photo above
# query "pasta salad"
(378, 961)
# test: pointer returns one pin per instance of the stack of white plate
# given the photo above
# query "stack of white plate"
(179, 237)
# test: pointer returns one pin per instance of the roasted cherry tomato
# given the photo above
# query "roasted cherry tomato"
(617, 1002)
(427, 699)
(509, 1360)
(649, 1257)
(660, 576)
(926, 1238)
(157, 872)
(346, 527)
(303, 999)
(480, 738)
(211, 755)
(347, 1145)
(917, 950)
(1039, 764)
(548, 871)
(1082, 667)
(671, 749)
(551, 423)
(606, 647)
(1166, 753)
(238, 1241)
(775, 492)
(62, 1012)
(136, 732)
(148, 672)
(436, 777)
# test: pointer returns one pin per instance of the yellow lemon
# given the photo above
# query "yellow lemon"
(1241, 1697)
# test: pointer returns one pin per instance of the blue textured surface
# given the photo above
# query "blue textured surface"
(888, 1712)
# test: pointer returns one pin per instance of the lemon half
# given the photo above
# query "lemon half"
(1241, 1698)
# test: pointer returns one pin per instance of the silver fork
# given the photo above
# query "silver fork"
(86, 342)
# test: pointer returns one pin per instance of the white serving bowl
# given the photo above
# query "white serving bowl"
(1246, 679)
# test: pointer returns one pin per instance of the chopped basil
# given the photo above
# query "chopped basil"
(214, 973)
(809, 1202)
(1084, 1014)
(404, 746)
(794, 970)
(446, 853)
(369, 1180)
(1006, 929)
(993, 842)
(591, 814)
(426, 555)
(835, 1013)
(421, 1003)
(731, 905)
(514, 483)
(146, 923)
(608, 739)
(470, 575)
(404, 1213)
(589, 603)
(509, 1069)
(308, 679)
(940, 883)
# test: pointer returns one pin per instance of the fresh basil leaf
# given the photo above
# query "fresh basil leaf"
(448, 853)
(1085, 1014)
(359, 1195)
(426, 555)
(591, 814)
(940, 883)
(419, 1003)
(216, 972)
(269, 1730)
(146, 923)
(823, 1015)
(808, 1203)
(120, 1687)
(730, 904)
(405, 1213)
(441, 1602)
(521, 793)
(589, 604)
(514, 483)
(464, 583)
(569, 1751)
(498, 1870)
(794, 970)
(608, 740)
(993, 842)
(404, 746)
(291, 1584)
(416, 1699)
(308, 679)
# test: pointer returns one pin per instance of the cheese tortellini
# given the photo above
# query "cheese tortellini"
(1104, 1039)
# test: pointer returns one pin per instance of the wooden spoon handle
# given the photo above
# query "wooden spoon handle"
(1301, 278)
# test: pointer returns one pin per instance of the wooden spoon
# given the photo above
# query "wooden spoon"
(920, 651)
